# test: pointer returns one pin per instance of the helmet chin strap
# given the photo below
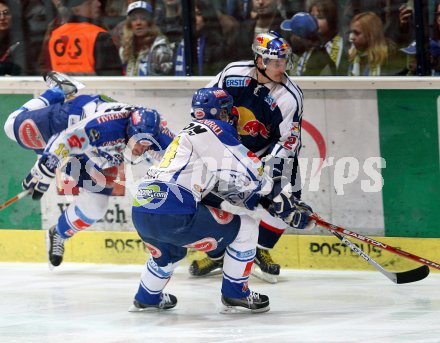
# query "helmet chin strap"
(261, 70)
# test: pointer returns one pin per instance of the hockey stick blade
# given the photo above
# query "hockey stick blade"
(322, 223)
(397, 277)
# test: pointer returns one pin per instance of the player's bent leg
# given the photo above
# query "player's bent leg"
(238, 260)
(270, 231)
(83, 212)
(150, 293)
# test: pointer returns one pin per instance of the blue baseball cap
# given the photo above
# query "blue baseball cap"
(410, 49)
(302, 24)
(434, 48)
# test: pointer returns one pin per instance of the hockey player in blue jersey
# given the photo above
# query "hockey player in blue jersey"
(92, 132)
(171, 211)
(270, 109)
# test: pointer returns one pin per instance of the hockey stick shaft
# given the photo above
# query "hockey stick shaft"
(374, 242)
(14, 199)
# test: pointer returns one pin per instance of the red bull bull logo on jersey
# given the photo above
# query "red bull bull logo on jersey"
(248, 124)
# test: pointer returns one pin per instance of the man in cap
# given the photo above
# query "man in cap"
(310, 58)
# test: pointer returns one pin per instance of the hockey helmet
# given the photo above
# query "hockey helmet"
(214, 103)
(144, 123)
(271, 46)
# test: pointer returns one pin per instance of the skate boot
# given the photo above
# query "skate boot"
(254, 303)
(168, 301)
(55, 247)
(68, 84)
(206, 266)
(264, 267)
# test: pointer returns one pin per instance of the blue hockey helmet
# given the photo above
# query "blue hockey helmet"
(145, 121)
(214, 103)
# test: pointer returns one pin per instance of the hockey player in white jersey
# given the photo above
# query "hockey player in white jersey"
(171, 214)
(270, 109)
(93, 129)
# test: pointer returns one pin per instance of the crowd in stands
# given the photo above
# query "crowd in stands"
(142, 38)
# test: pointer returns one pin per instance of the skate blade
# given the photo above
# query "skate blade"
(213, 273)
(51, 266)
(256, 271)
(133, 308)
(226, 309)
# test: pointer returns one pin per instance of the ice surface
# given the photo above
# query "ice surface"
(89, 303)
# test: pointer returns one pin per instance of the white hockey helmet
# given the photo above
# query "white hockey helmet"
(271, 46)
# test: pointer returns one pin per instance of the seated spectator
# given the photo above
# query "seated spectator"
(12, 52)
(264, 17)
(436, 24)
(168, 16)
(411, 60)
(145, 50)
(310, 57)
(326, 13)
(36, 15)
(210, 56)
(370, 50)
(81, 47)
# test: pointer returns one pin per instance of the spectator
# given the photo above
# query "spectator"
(210, 56)
(168, 15)
(326, 13)
(12, 54)
(36, 16)
(145, 51)
(265, 17)
(436, 23)
(411, 60)
(395, 17)
(310, 57)
(370, 50)
(81, 47)
(118, 30)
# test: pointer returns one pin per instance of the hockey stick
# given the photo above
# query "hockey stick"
(412, 275)
(14, 199)
(373, 242)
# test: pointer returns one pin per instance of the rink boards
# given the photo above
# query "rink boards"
(293, 251)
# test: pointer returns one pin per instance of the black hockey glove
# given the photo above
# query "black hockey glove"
(291, 210)
(38, 180)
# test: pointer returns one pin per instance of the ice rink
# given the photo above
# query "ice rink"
(89, 303)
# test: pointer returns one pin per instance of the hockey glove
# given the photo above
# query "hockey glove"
(291, 210)
(38, 180)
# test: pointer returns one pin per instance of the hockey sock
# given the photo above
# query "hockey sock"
(153, 280)
(238, 260)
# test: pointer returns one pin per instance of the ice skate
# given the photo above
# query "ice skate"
(254, 303)
(206, 266)
(68, 84)
(55, 247)
(264, 267)
(168, 301)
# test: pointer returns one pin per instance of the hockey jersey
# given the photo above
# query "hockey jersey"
(101, 137)
(203, 153)
(270, 114)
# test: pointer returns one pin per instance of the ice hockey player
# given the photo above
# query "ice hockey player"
(93, 129)
(270, 109)
(171, 212)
